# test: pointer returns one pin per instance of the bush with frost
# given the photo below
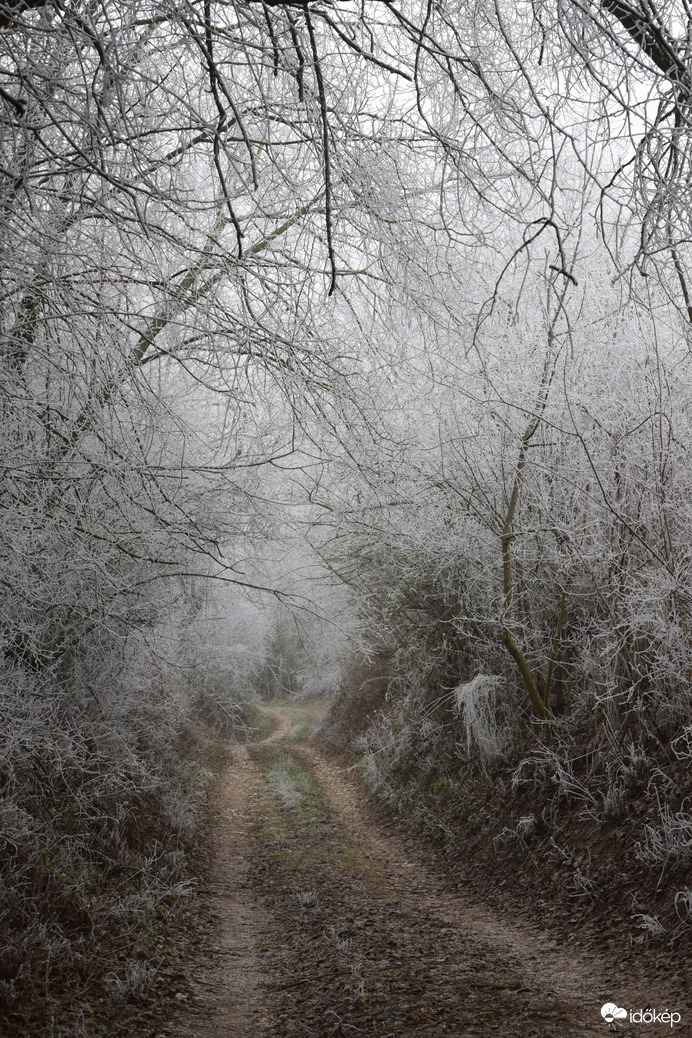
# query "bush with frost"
(668, 843)
(476, 702)
(96, 799)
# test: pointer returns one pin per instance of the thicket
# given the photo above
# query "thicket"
(103, 668)
(535, 489)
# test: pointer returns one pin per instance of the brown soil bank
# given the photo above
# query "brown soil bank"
(555, 832)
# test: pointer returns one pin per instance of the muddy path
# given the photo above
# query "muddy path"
(320, 919)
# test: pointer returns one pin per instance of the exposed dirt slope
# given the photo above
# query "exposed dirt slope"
(319, 918)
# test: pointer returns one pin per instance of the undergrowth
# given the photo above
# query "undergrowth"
(100, 801)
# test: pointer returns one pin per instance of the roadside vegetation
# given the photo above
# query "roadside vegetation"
(575, 821)
(100, 813)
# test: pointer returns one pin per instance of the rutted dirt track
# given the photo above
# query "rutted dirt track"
(321, 921)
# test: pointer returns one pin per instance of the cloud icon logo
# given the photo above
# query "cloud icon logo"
(610, 1012)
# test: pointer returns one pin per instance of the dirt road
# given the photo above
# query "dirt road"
(320, 920)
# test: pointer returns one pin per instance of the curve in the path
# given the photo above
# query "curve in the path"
(239, 980)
